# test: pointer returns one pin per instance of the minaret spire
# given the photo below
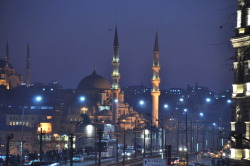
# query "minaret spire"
(155, 83)
(156, 48)
(7, 55)
(28, 66)
(115, 76)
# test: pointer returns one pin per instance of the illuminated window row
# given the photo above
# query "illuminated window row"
(19, 123)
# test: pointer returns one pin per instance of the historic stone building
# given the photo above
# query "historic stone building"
(240, 125)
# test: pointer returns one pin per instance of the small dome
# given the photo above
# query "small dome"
(3, 63)
(104, 112)
(93, 81)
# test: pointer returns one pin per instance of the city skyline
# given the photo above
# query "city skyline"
(67, 39)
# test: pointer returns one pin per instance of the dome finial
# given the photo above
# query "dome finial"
(94, 72)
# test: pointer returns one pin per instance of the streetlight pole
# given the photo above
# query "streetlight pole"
(21, 148)
(177, 142)
(135, 140)
(185, 110)
(100, 146)
(201, 114)
(123, 159)
(41, 144)
(151, 139)
(9, 137)
(144, 143)
(213, 134)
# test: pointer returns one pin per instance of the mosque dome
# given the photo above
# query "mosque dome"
(93, 81)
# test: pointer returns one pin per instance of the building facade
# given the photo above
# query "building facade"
(240, 125)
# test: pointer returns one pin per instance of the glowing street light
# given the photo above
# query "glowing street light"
(201, 114)
(82, 98)
(165, 105)
(141, 102)
(38, 98)
(208, 100)
(181, 99)
(229, 101)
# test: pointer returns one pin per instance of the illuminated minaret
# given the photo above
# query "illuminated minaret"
(28, 67)
(115, 76)
(155, 82)
(7, 55)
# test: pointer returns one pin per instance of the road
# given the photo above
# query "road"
(192, 159)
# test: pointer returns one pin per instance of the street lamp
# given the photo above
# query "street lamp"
(124, 139)
(202, 115)
(214, 124)
(144, 141)
(36, 99)
(81, 98)
(162, 134)
(141, 102)
(151, 134)
(166, 106)
(208, 100)
(185, 110)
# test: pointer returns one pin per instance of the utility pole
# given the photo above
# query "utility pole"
(192, 138)
(123, 158)
(186, 138)
(9, 137)
(144, 143)
(117, 150)
(162, 135)
(151, 138)
(71, 137)
(135, 140)
(100, 146)
(177, 142)
(41, 144)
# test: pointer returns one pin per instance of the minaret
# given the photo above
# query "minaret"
(115, 76)
(28, 67)
(240, 123)
(7, 55)
(155, 82)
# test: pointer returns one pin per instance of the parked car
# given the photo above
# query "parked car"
(182, 162)
(204, 153)
(216, 155)
(41, 163)
(78, 158)
(174, 160)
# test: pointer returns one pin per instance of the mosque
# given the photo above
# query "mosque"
(8, 75)
(104, 103)
(101, 105)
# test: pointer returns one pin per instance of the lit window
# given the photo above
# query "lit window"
(11, 123)
(238, 19)
(49, 117)
(248, 16)
(14, 123)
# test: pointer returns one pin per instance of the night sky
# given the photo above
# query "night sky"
(68, 37)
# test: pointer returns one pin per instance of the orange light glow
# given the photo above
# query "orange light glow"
(46, 127)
